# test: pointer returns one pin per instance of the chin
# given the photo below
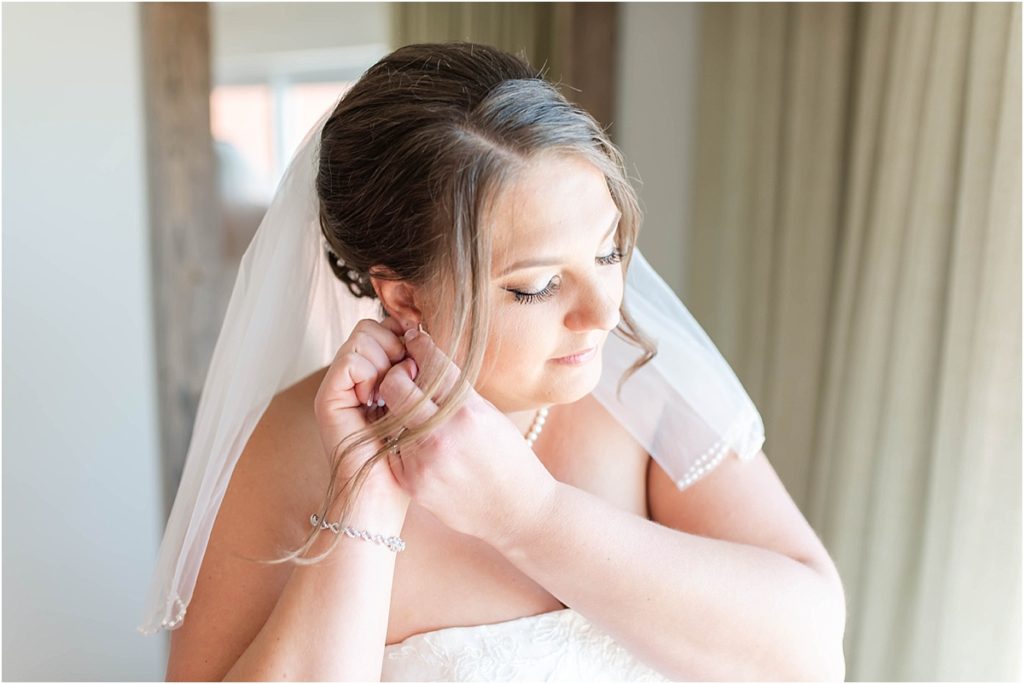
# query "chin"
(570, 384)
(556, 384)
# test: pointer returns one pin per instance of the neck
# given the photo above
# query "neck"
(523, 419)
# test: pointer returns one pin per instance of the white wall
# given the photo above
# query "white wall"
(657, 91)
(247, 28)
(252, 40)
(81, 514)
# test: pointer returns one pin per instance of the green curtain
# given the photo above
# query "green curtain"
(527, 28)
(854, 249)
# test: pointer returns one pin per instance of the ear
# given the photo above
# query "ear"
(397, 296)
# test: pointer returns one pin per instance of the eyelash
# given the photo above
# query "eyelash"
(553, 286)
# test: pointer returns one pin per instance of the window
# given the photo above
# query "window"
(262, 105)
(256, 129)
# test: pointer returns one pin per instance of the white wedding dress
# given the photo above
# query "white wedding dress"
(560, 645)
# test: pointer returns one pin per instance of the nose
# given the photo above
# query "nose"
(597, 306)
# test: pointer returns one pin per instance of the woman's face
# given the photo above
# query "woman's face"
(556, 285)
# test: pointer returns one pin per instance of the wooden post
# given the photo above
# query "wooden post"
(586, 45)
(185, 223)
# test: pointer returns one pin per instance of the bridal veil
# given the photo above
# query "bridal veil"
(288, 314)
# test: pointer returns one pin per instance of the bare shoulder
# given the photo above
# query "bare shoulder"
(278, 480)
(606, 427)
(590, 449)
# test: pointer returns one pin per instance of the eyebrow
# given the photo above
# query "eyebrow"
(531, 263)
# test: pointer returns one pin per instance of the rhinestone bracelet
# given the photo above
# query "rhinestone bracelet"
(393, 543)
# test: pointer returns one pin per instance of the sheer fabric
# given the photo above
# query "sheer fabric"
(288, 314)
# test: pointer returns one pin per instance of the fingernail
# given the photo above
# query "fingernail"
(411, 334)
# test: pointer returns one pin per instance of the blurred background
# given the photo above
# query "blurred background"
(834, 190)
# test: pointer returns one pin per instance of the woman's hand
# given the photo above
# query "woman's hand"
(475, 472)
(372, 352)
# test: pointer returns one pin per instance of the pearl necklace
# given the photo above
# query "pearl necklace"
(537, 426)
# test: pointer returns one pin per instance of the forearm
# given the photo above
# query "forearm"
(691, 607)
(330, 622)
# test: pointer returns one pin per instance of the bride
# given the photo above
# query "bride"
(421, 452)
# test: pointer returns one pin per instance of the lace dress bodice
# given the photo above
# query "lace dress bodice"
(560, 645)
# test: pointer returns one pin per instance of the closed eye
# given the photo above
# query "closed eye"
(613, 258)
(556, 283)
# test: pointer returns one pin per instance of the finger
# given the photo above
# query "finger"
(380, 343)
(394, 326)
(365, 344)
(350, 376)
(429, 357)
(401, 393)
(385, 335)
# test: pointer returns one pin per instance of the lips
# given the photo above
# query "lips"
(581, 352)
(575, 356)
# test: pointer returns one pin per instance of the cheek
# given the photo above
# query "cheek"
(616, 290)
(618, 283)
(519, 340)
